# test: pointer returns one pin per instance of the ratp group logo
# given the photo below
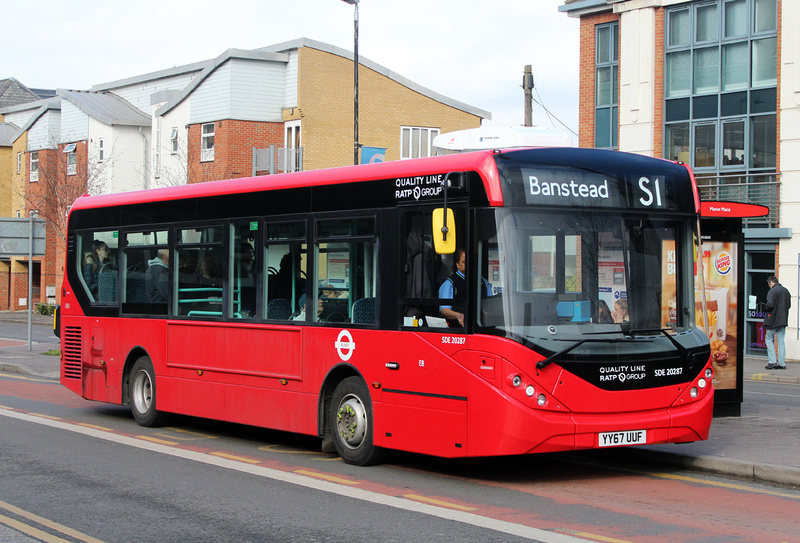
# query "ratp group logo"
(723, 263)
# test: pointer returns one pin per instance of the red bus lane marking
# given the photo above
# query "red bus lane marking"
(688, 503)
(43, 390)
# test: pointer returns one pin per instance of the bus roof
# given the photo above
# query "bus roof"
(482, 162)
(502, 137)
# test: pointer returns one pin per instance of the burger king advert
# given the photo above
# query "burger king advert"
(720, 279)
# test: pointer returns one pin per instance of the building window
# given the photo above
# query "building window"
(720, 87)
(606, 69)
(101, 149)
(34, 166)
(417, 142)
(19, 163)
(72, 158)
(207, 143)
(290, 158)
(173, 141)
(759, 265)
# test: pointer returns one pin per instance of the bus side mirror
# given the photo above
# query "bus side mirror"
(444, 232)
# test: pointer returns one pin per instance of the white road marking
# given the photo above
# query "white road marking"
(308, 482)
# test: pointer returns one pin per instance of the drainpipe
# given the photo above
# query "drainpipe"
(146, 183)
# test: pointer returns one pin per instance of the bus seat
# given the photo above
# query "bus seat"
(136, 291)
(364, 311)
(107, 286)
(279, 308)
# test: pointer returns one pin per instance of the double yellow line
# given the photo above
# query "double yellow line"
(41, 535)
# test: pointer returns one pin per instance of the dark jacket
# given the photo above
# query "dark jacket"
(778, 303)
(156, 281)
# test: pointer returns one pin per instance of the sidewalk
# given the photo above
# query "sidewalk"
(15, 356)
(760, 444)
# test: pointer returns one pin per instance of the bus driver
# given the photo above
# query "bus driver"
(455, 288)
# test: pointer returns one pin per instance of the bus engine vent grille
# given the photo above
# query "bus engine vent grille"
(72, 352)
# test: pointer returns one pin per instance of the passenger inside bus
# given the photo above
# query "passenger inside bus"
(246, 280)
(207, 273)
(620, 312)
(95, 262)
(604, 313)
(157, 278)
(247, 256)
(289, 273)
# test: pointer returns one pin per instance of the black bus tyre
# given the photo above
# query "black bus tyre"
(350, 421)
(143, 394)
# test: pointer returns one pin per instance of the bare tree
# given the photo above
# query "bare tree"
(186, 169)
(60, 183)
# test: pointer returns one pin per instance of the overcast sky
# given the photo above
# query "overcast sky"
(473, 51)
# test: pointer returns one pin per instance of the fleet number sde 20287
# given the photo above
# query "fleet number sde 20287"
(668, 371)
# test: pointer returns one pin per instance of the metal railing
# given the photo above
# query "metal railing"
(277, 159)
(755, 188)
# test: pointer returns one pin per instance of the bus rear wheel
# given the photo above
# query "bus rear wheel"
(350, 420)
(143, 394)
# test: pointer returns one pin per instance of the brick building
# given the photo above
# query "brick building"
(206, 121)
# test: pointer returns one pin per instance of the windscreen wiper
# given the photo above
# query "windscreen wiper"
(555, 356)
(688, 356)
(625, 329)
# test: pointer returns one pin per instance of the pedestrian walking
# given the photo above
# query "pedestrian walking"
(778, 303)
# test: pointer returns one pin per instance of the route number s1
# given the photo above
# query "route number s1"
(651, 190)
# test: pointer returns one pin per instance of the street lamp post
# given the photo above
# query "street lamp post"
(355, 80)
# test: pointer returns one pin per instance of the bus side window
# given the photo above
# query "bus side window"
(346, 284)
(199, 262)
(98, 253)
(144, 292)
(244, 270)
(285, 269)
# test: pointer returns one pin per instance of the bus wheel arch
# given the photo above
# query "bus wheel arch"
(140, 390)
(135, 354)
(347, 417)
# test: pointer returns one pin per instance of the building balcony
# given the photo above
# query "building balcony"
(274, 159)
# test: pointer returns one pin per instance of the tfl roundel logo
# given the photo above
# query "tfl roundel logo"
(723, 263)
(345, 345)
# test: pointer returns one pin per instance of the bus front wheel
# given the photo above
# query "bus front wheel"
(143, 394)
(350, 420)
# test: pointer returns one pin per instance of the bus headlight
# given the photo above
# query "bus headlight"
(693, 392)
(529, 391)
(701, 383)
(541, 400)
(516, 381)
(709, 373)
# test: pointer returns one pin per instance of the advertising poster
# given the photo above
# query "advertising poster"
(611, 275)
(720, 260)
(720, 278)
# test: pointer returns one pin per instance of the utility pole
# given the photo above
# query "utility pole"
(356, 145)
(527, 86)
